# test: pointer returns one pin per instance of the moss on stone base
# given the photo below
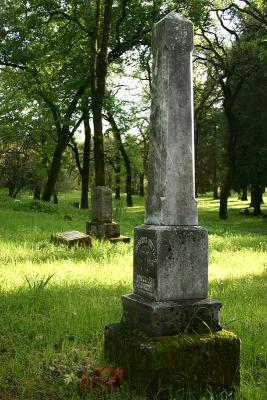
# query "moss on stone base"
(185, 363)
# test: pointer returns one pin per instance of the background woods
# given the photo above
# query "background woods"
(75, 94)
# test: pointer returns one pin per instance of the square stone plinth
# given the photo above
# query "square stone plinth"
(170, 262)
(103, 229)
(179, 364)
(72, 238)
(101, 204)
(170, 317)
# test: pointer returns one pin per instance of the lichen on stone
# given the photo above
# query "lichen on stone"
(184, 363)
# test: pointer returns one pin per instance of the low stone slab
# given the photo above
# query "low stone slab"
(121, 238)
(72, 238)
(184, 363)
(157, 318)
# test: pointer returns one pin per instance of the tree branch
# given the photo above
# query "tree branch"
(76, 126)
(75, 151)
(13, 65)
(69, 18)
(74, 102)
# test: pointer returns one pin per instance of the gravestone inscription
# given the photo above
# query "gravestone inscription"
(145, 259)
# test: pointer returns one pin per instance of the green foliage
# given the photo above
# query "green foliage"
(252, 140)
(50, 49)
(34, 205)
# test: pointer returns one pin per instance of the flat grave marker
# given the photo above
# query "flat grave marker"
(72, 238)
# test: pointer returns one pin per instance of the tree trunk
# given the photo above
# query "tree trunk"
(215, 186)
(223, 211)
(252, 197)
(118, 180)
(117, 188)
(11, 189)
(117, 170)
(55, 197)
(99, 61)
(54, 170)
(126, 160)
(98, 146)
(256, 197)
(37, 193)
(141, 184)
(86, 159)
(232, 127)
(244, 196)
(129, 199)
(16, 192)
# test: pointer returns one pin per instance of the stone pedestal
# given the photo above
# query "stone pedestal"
(171, 262)
(162, 318)
(170, 282)
(175, 364)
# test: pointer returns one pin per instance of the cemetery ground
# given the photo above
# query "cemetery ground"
(55, 302)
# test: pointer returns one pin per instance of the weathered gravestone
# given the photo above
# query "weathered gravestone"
(102, 226)
(170, 335)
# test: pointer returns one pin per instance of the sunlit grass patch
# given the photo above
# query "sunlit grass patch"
(50, 330)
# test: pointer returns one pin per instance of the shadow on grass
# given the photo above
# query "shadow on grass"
(48, 336)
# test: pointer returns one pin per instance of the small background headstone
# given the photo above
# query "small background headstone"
(101, 226)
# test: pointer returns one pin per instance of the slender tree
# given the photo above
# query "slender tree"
(231, 63)
(127, 163)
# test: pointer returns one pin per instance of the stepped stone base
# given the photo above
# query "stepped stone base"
(182, 364)
(103, 229)
(157, 318)
(72, 238)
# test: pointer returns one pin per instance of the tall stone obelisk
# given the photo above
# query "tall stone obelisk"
(170, 277)
(170, 249)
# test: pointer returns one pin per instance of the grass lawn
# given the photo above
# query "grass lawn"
(49, 333)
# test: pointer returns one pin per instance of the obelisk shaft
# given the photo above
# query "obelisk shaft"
(171, 193)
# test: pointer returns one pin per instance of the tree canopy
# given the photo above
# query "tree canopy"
(65, 66)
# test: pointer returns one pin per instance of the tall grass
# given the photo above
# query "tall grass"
(54, 301)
